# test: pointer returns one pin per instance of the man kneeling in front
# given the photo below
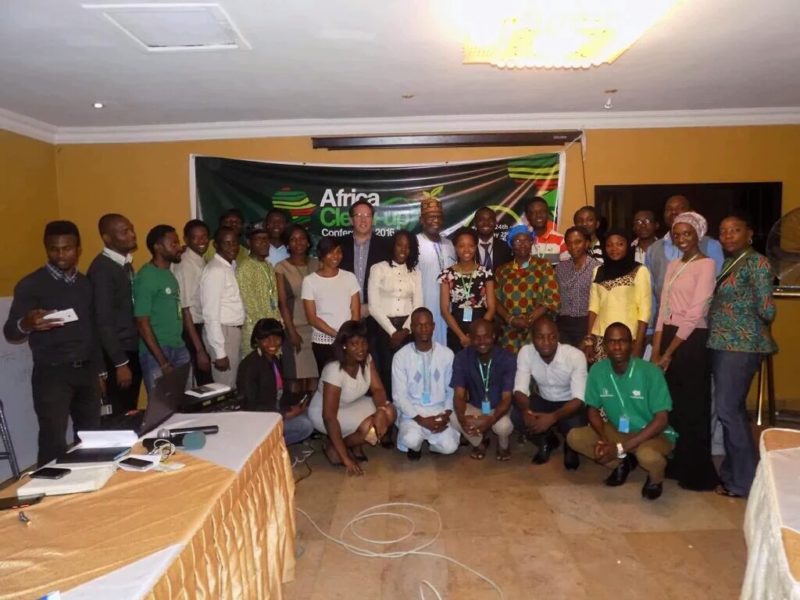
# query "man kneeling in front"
(634, 397)
(421, 374)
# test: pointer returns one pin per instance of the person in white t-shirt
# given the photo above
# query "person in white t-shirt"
(330, 296)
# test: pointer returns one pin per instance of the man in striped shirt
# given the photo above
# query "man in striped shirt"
(548, 243)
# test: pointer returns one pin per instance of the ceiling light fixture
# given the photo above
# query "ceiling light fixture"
(98, 105)
(570, 34)
(609, 104)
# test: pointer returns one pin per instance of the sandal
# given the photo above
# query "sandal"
(503, 454)
(360, 456)
(479, 451)
(721, 490)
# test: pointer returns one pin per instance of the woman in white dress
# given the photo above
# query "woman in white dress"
(340, 407)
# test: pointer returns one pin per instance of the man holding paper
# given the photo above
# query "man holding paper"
(52, 310)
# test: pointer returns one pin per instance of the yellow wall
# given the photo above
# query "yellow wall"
(27, 201)
(150, 182)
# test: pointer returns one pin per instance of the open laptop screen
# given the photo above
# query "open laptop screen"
(166, 398)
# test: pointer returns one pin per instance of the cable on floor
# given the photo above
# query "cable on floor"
(380, 510)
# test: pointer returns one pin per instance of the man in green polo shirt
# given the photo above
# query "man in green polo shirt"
(157, 308)
(633, 395)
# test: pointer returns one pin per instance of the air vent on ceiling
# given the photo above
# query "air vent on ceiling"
(175, 27)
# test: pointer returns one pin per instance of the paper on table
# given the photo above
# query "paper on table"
(107, 439)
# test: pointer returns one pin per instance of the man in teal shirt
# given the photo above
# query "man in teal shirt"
(634, 397)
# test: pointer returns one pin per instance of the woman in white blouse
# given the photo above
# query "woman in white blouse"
(395, 290)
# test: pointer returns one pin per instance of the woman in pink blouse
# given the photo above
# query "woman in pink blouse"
(679, 348)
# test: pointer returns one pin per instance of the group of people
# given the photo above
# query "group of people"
(424, 338)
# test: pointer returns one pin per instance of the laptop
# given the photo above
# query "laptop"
(164, 401)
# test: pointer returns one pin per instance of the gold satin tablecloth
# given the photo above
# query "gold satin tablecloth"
(773, 558)
(237, 530)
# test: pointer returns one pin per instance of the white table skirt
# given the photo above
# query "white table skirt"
(768, 576)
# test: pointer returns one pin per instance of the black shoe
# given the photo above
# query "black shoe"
(548, 444)
(652, 491)
(572, 459)
(413, 454)
(620, 474)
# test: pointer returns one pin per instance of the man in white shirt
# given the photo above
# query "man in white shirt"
(188, 272)
(559, 371)
(421, 374)
(222, 308)
(436, 253)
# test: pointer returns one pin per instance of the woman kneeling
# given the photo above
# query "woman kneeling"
(340, 407)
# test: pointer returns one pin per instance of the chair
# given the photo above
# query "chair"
(8, 447)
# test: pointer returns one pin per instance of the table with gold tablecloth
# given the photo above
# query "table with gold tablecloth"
(772, 520)
(222, 527)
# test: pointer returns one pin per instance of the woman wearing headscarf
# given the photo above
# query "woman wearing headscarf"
(679, 348)
(738, 323)
(621, 293)
(526, 289)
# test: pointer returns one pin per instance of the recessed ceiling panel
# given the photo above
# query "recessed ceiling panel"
(174, 27)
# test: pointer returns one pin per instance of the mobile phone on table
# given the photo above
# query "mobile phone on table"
(19, 502)
(136, 463)
(50, 473)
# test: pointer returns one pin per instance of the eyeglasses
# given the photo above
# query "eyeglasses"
(643, 221)
(367, 216)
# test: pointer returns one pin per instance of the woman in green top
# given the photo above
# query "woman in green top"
(739, 317)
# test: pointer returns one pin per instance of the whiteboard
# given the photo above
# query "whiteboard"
(16, 365)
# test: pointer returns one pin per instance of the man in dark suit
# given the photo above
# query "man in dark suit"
(111, 274)
(361, 249)
(492, 251)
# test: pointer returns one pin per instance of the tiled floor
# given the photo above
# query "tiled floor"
(536, 531)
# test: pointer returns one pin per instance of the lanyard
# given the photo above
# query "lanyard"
(485, 377)
(616, 389)
(729, 268)
(667, 308)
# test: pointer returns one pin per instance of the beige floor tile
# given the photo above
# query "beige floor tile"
(538, 531)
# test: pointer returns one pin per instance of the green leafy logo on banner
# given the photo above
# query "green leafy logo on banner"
(296, 203)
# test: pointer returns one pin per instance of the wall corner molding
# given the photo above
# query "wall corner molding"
(27, 126)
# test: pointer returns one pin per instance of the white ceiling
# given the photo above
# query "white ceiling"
(330, 60)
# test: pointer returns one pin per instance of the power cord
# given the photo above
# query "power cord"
(380, 510)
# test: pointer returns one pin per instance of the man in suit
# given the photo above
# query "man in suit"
(111, 274)
(492, 251)
(361, 249)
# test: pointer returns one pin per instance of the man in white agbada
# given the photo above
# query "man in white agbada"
(421, 374)
(436, 253)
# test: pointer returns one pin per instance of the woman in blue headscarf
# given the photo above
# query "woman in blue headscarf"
(526, 289)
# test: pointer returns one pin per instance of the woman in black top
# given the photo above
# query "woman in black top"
(260, 381)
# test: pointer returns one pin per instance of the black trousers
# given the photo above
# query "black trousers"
(382, 352)
(452, 339)
(125, 400)
(689, 382)
(60, 392)
(323, 354)
(200, 377)
(539, 404)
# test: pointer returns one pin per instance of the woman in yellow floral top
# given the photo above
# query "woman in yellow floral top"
(526, 290)
(741, 311)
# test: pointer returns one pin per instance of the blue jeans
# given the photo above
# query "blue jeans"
(151, 369)
(297, 429)
(733, 372)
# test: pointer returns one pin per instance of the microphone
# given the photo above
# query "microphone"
(207, 429)
(192, 440)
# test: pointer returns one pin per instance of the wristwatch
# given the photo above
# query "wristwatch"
(621, 451)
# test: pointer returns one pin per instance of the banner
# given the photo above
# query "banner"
(318, 196)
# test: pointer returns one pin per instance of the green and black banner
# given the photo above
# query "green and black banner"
(318, 196)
